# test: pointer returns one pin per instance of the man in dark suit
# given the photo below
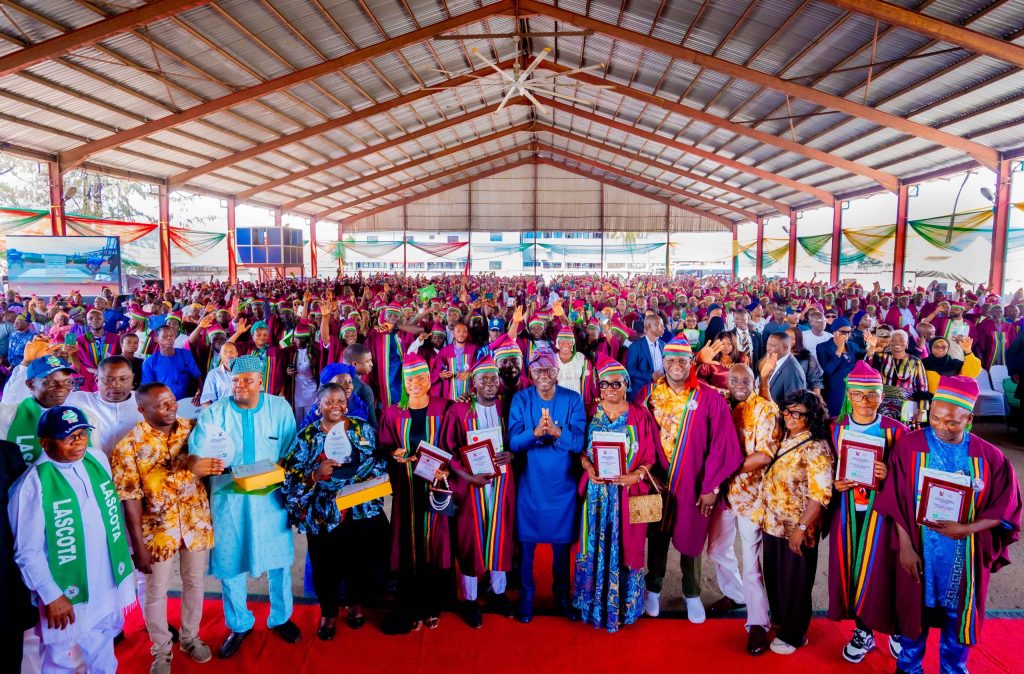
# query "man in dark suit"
(1015, 366)
(18, 613)
(643, 358)
(748, 338)
(781, 374)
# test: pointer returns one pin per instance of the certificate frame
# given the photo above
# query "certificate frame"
(438, 454)
(620, 450)
(476, 447)
(843, 455)
(930, 483)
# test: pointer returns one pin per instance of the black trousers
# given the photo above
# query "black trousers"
(789, 578)
(351, 552)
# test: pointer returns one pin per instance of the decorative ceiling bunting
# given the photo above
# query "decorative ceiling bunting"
(439, 249)
(194, 243)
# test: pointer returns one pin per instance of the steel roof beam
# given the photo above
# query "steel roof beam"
(821, 195)
(779, 206)
(936, 29)
(86, 35)
(984, 154)
(886, 180)
(75, 156)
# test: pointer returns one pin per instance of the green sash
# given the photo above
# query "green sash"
(23, 429)
(65, 540)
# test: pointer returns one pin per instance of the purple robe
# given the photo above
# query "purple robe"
(708, 458)
(998, 499)
(479, 546)
(634, 536)
(992, 340)
(91, 351)
(860, 572)
(445, 361)
(393, 434)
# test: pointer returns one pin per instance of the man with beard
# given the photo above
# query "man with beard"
(450, 369)
(95, 345)
(485, 504)
(112, 409)
(954, 327)
(509, 359)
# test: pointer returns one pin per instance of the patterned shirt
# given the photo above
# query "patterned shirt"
(757, 424)
(668, 408)
(153, 467)
(802, 471)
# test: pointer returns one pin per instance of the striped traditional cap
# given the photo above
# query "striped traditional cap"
(437, 329)
(414, 365)
(608, 367)
(485, 365)
(863, 376)
(679, 346)
(960, 391)
(594, 324)
(246, 365)
(303, 329)
(394, 309)
(618, 329)
(138, 314)
(346, 326)
(537, 319)
(505, 347)
(213, 331)
(565, 332)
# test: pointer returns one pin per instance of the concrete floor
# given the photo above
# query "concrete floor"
(1006, 589)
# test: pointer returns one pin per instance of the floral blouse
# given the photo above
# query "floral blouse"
(312, 508)
(757, 422)
(801, 472)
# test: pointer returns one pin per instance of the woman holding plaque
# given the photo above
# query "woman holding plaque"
(335, 451)
(419, 530)
(609, 581)
(860, 557)
(795, 491)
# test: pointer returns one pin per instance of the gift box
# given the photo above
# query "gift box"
(361, 492)
(259, 475)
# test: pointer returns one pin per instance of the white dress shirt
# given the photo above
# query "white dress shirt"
(112, 420)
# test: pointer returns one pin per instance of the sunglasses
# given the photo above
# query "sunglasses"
(616, 385)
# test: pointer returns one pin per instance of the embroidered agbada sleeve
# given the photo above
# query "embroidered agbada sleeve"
(574, 427)
(1002, 503)
(723, 455)
(26, 514)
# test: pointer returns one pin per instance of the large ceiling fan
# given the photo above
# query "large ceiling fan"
(519, 80)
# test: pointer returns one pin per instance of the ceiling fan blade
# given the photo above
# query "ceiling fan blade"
(492, 65)
(536, 62)
(555, 94)
(508, 97)
(536, 103)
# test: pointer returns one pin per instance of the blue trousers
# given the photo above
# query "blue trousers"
(236, 610)
(559, 572)
(952, 654)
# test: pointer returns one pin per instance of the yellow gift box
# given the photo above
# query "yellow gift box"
(361, 492)
(259, 475)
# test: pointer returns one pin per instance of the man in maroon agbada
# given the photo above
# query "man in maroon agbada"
(696, 456)
(485, 504)
(942, 576)
(450, 368)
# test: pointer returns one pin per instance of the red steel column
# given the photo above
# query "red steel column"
(837, 236)
(791, 271)
(165, 235)
(899, 258)
(759, 260)
(1000, 228)
(312, 246)
(232, 259)
(58, 226)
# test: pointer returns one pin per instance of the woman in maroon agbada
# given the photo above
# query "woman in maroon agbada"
(420, 540)
(993, 524)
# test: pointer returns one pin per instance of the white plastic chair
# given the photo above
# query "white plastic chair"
(997, 373)
(990, 403)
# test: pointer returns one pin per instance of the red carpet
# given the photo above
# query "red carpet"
(546, 645)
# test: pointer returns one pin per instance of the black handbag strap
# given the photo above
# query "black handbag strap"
(788, 451)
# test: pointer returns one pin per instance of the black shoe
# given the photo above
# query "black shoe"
(502, 605)
(232, 644)
(288, 631)
(356, 621)
(757, 640)
(175, 637)
(472, 614)
(723, 606)
(326, 631)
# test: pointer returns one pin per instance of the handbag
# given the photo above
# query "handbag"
(440, 500)
(647, 508)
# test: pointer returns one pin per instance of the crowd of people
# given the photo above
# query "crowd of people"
(608, 417)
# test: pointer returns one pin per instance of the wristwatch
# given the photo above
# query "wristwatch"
(716, 490)
(803, 527)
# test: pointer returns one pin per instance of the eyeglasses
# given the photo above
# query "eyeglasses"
(616, 385)
(860, 396)
(794, 414)
(127, 379)
(544, 371)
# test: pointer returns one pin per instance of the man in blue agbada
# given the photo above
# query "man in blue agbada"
(546, 426)
(251, 529)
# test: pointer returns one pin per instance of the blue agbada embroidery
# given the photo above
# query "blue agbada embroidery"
(944, 558)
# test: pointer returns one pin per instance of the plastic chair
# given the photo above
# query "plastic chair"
(990, 403)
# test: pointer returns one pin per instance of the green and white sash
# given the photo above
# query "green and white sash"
(65, 529)
(23, 429)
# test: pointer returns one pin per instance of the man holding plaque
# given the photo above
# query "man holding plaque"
(956, 505)
(860, 557)
(484, 491)
(251, 528)
(547, 426)
(695, 463)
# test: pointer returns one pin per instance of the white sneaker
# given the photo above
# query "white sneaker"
(652, 604)
(895, 646)
(695, 610)
(781, 647)
(860, 645)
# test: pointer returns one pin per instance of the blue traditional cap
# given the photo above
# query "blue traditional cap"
(246, 365)
(47, 365)
(60, 422)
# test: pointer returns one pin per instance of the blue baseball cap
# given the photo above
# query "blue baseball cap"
(495, 323)
(61, 421)
(47, 365)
